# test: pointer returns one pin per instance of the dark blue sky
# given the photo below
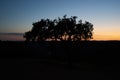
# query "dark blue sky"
(18, 15)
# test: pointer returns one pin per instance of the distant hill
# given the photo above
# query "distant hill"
(11, 33)
(11, 36)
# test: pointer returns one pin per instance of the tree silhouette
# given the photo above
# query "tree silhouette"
(87, 31)
(63, 29)
(28, 36)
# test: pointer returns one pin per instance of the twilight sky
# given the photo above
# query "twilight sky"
(17, 16)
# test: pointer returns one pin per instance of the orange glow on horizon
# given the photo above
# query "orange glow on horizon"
(106, 37)
(107, 32)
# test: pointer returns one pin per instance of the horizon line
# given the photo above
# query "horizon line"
(11, 33)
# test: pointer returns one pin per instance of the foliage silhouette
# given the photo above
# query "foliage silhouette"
(28, 36)
(62, 29)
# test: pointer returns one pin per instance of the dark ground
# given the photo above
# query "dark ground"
(95, 60)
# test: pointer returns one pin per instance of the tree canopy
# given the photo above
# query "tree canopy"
(61, 29)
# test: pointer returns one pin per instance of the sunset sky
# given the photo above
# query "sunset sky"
(17, 16)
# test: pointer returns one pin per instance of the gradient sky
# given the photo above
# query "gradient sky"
(18, 15)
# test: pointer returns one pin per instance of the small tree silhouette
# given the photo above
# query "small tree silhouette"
(63, 29)
(87, 31)
(28, 36)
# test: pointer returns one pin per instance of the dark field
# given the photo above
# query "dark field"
(95, 60)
